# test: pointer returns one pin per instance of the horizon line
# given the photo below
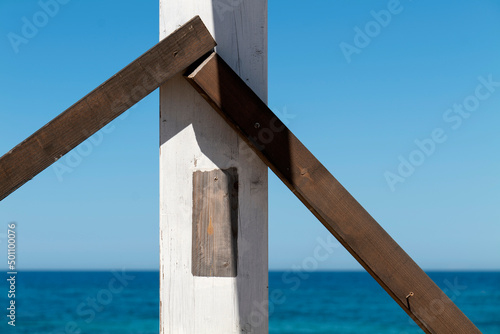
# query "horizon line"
(465, 270)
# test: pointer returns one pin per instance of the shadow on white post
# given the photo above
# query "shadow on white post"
(213, 239)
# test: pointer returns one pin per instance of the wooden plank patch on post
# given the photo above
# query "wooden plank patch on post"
(215, 223)
(328, 200)
(124, 89)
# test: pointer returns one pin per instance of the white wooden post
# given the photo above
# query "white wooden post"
(194, 138)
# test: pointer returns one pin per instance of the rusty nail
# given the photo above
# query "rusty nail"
(411, 294)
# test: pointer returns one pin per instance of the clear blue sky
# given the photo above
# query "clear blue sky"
(357, 100)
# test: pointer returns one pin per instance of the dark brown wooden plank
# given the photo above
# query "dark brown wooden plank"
(80, 121)
(339, 212)
(215, 223)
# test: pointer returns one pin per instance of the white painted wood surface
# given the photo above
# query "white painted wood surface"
(194, 137)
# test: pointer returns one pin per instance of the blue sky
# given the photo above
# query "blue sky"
(358, 93)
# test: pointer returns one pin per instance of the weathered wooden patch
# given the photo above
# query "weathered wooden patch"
(215, 223)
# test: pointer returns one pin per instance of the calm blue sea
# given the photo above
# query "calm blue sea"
(322, 302)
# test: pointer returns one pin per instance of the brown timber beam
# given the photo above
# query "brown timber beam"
(80, 121)
(328, 200)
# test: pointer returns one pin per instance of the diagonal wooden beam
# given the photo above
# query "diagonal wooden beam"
(127, 87)
(327, 199)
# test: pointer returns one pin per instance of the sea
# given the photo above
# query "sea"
(315, 302)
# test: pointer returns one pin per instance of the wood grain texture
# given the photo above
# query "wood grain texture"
(215, 223)
(193, 137)
(102, 105)
(328, 200)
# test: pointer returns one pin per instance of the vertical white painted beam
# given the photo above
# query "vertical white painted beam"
(193, 137)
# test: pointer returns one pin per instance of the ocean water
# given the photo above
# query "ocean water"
(353, 302)
(320, 302)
